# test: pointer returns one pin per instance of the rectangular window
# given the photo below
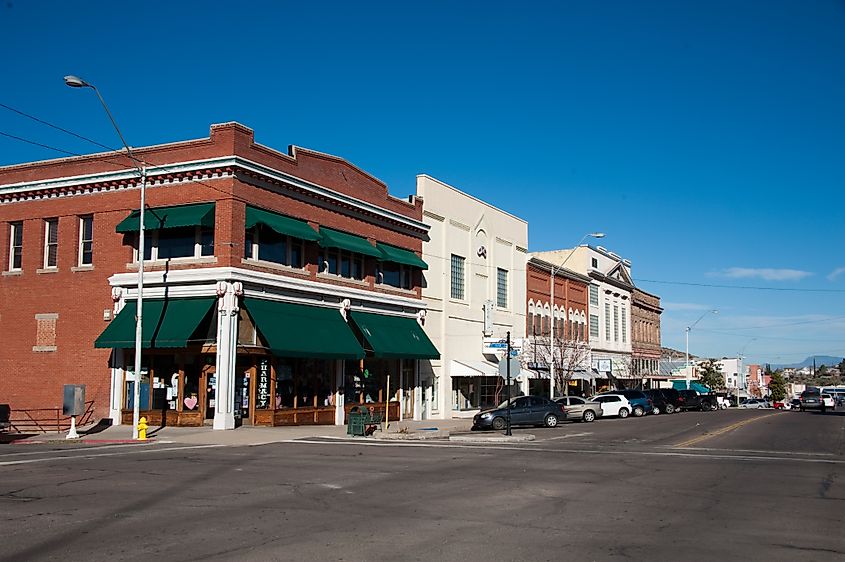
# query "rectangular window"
(615, 323)
(348, 265)
(594, 295)
(185, 242)
(51, 243)
(607, 321)
(595, 263)
(594, 326)
(396, 275)
(457, 291)
(624, 326)
(502, 288)
(15, 246)
(86, 240)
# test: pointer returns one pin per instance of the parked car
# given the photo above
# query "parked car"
(811, 399)
(754, 403)
(525, 410)
(659, 404)
(795, 404)
(640, 403)
(781, 404)
(828, 401)
(692, 400)
(613, 405)
(579, 409)
(672, 397)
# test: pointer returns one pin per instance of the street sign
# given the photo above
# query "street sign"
(515, 368)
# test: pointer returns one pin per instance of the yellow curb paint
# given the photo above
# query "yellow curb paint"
(718, 432)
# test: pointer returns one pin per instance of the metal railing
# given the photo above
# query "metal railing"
(45, 420)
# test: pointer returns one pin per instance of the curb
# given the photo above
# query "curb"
(412, 436)
(496, 438)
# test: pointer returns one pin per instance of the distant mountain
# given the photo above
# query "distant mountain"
(808, 362)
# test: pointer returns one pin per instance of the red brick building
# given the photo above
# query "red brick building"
(569, 312)
(278, 288)
(645, 335)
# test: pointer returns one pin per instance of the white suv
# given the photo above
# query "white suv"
(828, 401)
(613, 405)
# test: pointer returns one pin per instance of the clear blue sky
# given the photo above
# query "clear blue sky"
(705, 138)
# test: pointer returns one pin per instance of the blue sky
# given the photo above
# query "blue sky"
(705, 138)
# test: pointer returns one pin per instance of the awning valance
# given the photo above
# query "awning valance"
(394, 337)
(469, 368)
(298, 330)
(280, 224)
(335, 239)
(166, 323)
(401, 256)
(169, 217)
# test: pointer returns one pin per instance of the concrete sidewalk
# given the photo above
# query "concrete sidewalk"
(244, 435)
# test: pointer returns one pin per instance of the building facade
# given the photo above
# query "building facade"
(569, 346)
(609, 304)
(645, 337)
(474, 291)
(279, 288)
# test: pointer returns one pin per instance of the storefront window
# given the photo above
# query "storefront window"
(367, 385)
(473, 393)
(304, 383)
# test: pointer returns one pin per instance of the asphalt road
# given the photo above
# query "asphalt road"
(752, 485)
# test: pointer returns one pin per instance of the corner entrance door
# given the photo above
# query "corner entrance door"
(243, 392)
(209, 385)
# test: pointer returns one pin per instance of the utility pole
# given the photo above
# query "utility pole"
(508, 359)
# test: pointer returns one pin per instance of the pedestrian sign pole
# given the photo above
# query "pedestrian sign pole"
(508, 359)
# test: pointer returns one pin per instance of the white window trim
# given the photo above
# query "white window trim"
(46, 255)
(323, 267)
(256, 244)
(154, 248)
(406, 276)
(463, 262)
(506, 306)
(80, 249)
(13, 229)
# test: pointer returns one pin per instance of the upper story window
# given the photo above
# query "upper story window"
(169, 243)
(624, 326)
(457, 277)
(396, 275)
(342, 263)
(594, 295)
(186, 231)
(502, 288)
(51, 243)
(86, 240)
(15, 246)
(594, 326)
(595, 264)
(265, 244)
(615, 323)
(607, 321)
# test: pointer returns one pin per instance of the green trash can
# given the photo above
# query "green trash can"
(356, 424)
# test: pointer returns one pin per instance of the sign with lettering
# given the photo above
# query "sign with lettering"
(262, 389)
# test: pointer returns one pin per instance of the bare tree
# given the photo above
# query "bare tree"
(569, 355)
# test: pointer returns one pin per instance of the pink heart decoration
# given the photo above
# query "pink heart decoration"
(191, 402)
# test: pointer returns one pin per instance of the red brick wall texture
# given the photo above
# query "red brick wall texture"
(49, 319)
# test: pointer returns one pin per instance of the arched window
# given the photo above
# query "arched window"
(529, 328)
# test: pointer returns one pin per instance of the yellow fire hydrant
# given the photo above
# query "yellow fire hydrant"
(142, 429)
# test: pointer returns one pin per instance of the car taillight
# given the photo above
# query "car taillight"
(562, 409)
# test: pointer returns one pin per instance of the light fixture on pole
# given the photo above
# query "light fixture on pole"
(76, 82)
(555, 269)
(739, 374)
(688, 329)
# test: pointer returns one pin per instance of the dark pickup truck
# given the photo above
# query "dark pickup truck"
(692, 400)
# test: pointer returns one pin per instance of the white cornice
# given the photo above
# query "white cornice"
(199, 282)
(154, 173)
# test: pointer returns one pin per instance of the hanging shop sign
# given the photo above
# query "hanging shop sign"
(263, 385)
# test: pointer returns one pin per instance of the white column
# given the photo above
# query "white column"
(339, 400)
(418, 392)
(227, 346)
(118, 368)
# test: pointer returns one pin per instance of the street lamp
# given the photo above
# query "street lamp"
(552, 332)
(76, 82)
(700, 318)
(739, 374)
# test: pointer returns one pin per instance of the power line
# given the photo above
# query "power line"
(744, 287)
(58, 128)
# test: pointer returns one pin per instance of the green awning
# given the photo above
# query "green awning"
(166, 323)
(169, 217)
(394, 337)
(298, 330)
(336, 239)
(280, 224)
(400, 255)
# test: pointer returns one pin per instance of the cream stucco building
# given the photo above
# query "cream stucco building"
(475, 293)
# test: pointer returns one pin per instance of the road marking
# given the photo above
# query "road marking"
(84, 448)
(115, 454)
(760, 451)
(718, 432)
(568, 436)
(577, 451)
